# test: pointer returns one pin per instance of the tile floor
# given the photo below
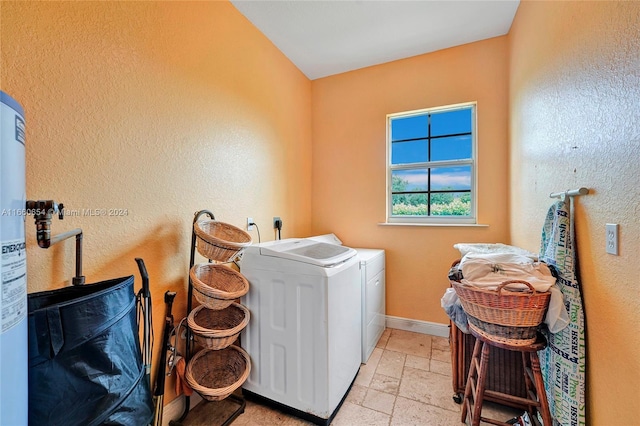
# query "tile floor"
(406, 381)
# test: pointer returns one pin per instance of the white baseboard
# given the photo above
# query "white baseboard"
(417, 326)
(174, 409)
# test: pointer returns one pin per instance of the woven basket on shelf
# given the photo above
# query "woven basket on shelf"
(503, 315)
(218, 329)
(215, 374)
(217, 286)
(220, 241)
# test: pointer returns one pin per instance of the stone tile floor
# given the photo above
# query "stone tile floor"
(406, 381)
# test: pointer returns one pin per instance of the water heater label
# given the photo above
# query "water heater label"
(14, 283)
(19, 129)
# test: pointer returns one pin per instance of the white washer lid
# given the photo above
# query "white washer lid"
(327, 238)
(308, 251)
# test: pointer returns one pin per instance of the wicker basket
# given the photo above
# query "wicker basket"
(504, 307)
(218, 329)
(217, 286)
(505, 316)
(516, 336)
(216, 374)
(220, 241)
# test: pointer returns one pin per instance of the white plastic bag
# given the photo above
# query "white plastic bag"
(452, 306)
(556, 317)
(449, 298)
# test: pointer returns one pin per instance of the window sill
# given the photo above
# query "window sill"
(437, 225)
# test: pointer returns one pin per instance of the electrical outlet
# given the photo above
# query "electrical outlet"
(275, 219)
(250, 227)
(612, 238)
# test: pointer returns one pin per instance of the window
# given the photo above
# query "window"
(431, 165)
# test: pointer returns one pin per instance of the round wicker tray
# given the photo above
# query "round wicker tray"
(217, 329)
(220, 241)
(217, 286)
(516, 336)
(215, 374)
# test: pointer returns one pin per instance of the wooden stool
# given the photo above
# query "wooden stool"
(475, 391)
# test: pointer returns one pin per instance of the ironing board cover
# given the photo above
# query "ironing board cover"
(563, 361)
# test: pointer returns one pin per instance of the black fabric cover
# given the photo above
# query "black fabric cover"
(85, 365)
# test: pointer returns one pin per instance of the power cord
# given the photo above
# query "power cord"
(257, 229)
(278, 226)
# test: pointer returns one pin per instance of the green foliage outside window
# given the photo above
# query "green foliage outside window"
(442, 204)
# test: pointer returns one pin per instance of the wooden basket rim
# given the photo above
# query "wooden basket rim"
(217, 392)
(503, 290)
(216, 333)
(219, 242)
(212, 291)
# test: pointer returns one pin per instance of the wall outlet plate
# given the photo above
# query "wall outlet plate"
(611, 240)
(249, 224)
(275, 219)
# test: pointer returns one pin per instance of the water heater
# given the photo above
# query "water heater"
(13, 295)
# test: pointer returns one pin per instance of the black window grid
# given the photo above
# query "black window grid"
(429, 191)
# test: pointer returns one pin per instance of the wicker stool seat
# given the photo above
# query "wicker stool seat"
(475, 388)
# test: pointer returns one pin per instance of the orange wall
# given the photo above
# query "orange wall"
(349, 146)
(160, 108)
(574, 105)
(165, 108)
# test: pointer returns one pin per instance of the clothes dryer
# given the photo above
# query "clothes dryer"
(372, 276)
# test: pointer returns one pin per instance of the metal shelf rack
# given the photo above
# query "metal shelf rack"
(189, 338)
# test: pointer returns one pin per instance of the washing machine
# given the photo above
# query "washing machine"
(372, 278)
(304, 335)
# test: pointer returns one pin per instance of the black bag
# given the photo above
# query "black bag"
(85, 364)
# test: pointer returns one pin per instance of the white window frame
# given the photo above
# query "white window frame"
(444, 220)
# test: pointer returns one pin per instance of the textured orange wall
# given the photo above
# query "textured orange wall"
(574, 104)
(349, 146)
(160, 108)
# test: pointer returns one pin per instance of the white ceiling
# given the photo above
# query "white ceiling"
(329, 37)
